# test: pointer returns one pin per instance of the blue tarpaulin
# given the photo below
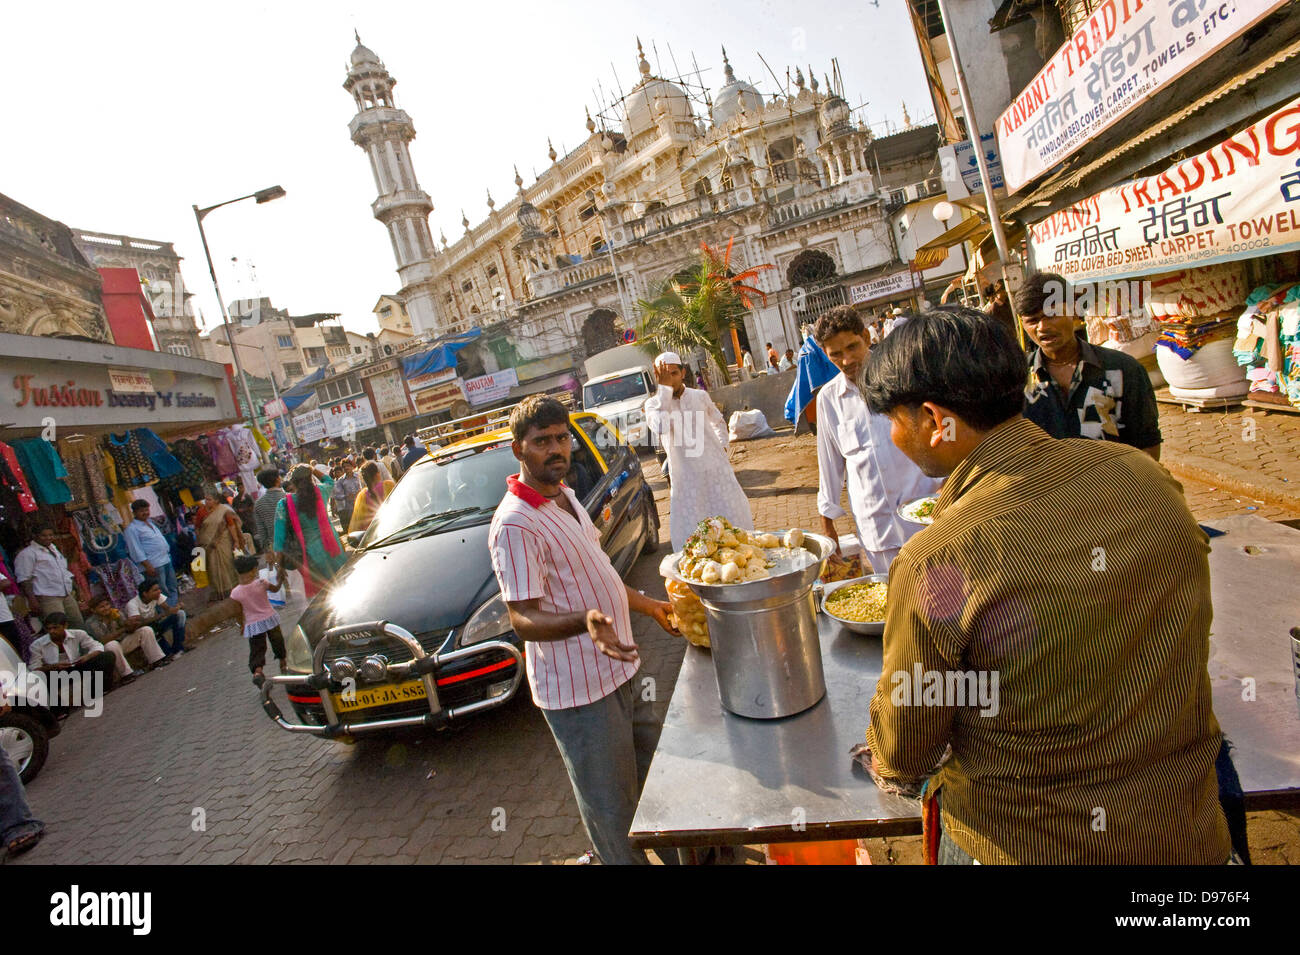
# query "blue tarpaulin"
(815, 369)
(301, 390)
(441, 355)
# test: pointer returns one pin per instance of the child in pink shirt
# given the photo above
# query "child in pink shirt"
(261, 622)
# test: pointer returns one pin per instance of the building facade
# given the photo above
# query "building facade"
(47, 286)
(273, 343)
(555, 271)
(159, 268)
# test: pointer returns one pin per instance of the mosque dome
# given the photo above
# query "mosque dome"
(651, 97)
(733, 95)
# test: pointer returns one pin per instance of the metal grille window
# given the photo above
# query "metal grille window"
(1074, 12)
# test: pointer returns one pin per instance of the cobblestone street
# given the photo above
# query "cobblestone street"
(184, 767)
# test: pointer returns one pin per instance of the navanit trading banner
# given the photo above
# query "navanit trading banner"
(1237, 200)
(1121, 55)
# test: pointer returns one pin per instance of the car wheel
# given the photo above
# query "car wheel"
(25, 741)
(652, 534)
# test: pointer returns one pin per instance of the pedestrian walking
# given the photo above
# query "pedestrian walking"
(568, 603)
(693, 433)
(304, 533)
(261, 622)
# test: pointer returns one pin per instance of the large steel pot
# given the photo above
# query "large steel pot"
(766, 654)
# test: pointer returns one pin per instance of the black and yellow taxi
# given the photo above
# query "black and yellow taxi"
(412, 632)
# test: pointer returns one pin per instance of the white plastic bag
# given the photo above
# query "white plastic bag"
(746, 425)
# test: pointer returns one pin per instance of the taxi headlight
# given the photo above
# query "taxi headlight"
(488, 622)
(298, 651)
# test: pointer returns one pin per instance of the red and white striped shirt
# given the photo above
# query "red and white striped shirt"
(540, 551)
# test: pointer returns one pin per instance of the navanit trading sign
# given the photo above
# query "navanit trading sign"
(1237, 200)
(1121, 55)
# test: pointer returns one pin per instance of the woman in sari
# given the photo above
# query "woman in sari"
(303, 531)
(372, 494)
(219, 533)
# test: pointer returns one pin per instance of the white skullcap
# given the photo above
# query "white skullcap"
(669, 358)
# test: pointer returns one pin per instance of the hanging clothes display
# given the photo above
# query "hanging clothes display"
(130, 463)
(247, 455)
(120, 580)
(84, 460)
(44, 470)
(13, 482)
(160, 456)
(223, 455)
(196, 468)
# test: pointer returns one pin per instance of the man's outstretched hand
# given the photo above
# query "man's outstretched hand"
(601, 629)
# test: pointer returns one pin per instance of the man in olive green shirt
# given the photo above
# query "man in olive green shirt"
(1067, 577)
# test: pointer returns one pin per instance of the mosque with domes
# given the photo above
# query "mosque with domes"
(551, 275)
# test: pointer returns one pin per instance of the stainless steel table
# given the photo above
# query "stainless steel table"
(721, 779)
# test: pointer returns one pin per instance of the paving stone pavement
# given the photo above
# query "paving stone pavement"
(183, 767)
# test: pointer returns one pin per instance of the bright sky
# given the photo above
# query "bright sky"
(122, 116)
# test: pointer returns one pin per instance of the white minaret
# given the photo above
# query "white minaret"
(384, 132)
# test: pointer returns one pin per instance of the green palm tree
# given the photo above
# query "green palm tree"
(696, 313)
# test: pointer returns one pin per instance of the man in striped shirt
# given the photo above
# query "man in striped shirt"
(568, 602)
(1069, 577)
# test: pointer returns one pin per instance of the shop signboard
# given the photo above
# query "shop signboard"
(961, 170)
(1236, 200)
(1126, 52)
(274, 408)
(388, 391)
(309, 426)
(130, 382)
(348, 417)
(420, 382)
(488, 388)
(887, 286)
(429, 400)
(80, 394)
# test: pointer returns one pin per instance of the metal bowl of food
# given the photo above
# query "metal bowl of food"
(869, 628)
(793, 574)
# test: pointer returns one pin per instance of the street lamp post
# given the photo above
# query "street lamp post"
(265, 195)
(275, 388)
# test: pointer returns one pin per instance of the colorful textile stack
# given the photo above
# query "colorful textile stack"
(1268, 340)
(1196, 306)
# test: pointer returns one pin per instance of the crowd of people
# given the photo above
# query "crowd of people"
(1039, 457)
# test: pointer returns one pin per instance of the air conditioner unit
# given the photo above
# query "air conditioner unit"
(913, 193)
(935, 186)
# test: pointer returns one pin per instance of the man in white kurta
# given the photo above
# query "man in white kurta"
(853, 443)
(691, 430)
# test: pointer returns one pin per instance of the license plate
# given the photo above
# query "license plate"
(379, 696)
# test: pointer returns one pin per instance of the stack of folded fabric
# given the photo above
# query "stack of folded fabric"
(1196, 312)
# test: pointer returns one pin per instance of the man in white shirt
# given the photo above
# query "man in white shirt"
(690, 428)
(44, 577)
(60, 648)
(568, 603)
(746, 366)
(150, 609)
(854, 443)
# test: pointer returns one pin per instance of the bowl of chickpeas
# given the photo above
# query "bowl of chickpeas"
(858, 604)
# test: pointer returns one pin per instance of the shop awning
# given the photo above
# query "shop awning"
(968, 230)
